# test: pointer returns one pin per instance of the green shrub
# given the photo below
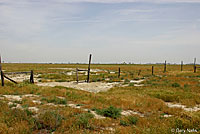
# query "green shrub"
(54, 100)
(82, 120)
(49, 120)
(110, 112)
(131, 84)
(126, 81)
(175, 85)
(61, 80)
(123, 123)
(132, 120)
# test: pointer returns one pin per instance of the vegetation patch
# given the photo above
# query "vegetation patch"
(54, 100)
(130, 120)
(82, 120)
(49, 120)
(111, 111)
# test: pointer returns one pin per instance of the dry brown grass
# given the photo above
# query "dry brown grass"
(173, 86)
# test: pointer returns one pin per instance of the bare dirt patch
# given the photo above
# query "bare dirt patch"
(94, 87)
(191, 109)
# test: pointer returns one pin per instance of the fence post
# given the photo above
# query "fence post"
(181, 65)
(165, 66)
(77, 75)
(119, 72)
(152, 70)
(88, 78)
(31, 77)
(0, 63)
(2, 78)
(194, 65)
(139, 72)
(195, 68)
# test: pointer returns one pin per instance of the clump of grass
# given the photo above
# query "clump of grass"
(12, 105)
(131, 84)
(54, 100)
(61, 80)
(124, 123)
(49, 120)
(82, 120)
(175, 85)
(111, 111)
(130, 120)
(126, 81)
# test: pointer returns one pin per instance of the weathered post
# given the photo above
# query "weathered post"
(195, 69)
(165, 66)
(119, 72)
(139, 72)
(31, 77)
(88, 78)
(77, 75)
(0, 63)
(152, 70)
(2, 78)
(194, 65)
(181, 65)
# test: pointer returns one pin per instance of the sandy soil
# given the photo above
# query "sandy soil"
(90, 87)
(191, 109)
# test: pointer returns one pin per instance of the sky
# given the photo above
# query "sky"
(113, 31)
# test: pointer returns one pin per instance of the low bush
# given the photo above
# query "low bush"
(175, 85)
(82, 120)
(109, 112)
(49, 120)
(130, 120)
(54, 100)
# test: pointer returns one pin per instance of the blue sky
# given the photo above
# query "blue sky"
(114, 31)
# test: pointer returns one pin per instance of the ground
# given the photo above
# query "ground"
(148, 104)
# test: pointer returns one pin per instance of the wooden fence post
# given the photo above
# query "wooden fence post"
(181, 65)
(165, 66)
(139, 72)
(2, 78)
(88, 78)
(0, 63)
(31, 77)
(77, 75)
(195, 68)
(119, 72)
(152, 70)
(194, 65)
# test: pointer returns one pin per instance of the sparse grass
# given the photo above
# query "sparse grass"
(174, 86)
(110, 112)
(49, 120)
(54, 100)
(82, 120)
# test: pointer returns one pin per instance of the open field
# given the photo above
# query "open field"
(162, 103)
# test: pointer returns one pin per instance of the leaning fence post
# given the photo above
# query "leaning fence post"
(119, 72)
(152, 70)
(31, 77)
(88, 78)
(2, 78)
